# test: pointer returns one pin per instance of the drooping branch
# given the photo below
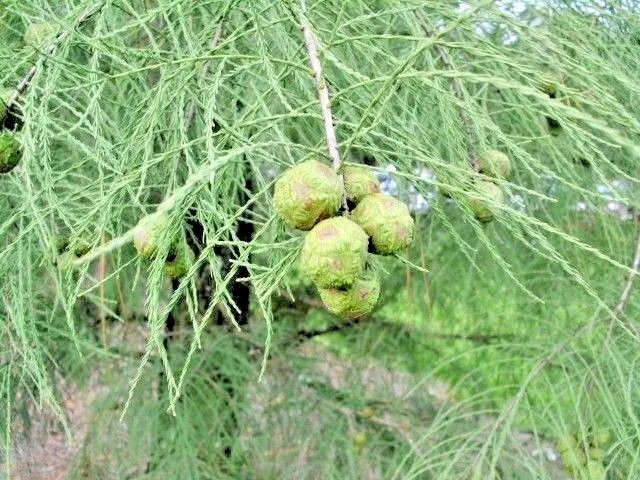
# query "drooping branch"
(323, 91)
(458, 91)
(545, 361)
(60, 37)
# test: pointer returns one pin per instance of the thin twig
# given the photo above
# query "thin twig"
(102, 273)
(323, 91)
(60, 37)
(631, 278)
(480, 338)
(191, 113)
(458, 91)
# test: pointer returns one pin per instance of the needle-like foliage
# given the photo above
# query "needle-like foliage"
(191, 109)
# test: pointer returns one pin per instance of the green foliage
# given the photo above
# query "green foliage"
(137, 111)
(40, 35)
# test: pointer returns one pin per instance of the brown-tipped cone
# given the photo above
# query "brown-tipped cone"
(356, 302)
(307, 193)
(334, 253)
(359, 182)
(386, 220)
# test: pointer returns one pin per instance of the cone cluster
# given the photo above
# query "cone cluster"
(336, 250)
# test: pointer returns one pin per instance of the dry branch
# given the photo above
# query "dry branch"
(323, 91)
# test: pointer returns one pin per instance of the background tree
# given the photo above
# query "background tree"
(182, 115)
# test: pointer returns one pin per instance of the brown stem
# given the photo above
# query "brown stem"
(323, 91)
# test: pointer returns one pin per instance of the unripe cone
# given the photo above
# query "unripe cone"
(359, 182)
(61, 243)
(601, 438)
(307, 193)
(334, 253)
(356, 302)
(484, 205)
(79, 246)
(596, 470)
(146, 237)
(40, 34)
(494, 163)
(5, 97)
(549, 83)
(180, 265)
(386, 220)
(10, 152)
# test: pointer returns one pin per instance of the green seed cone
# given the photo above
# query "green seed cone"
(146, 238)
(549, 83)
(494, 163)
(180, 265)
(307, 193)
(40, 34)
(386, 220)
(359, 182)
(10, 152)
(5, 96)
(601, 438)
(484, 205)
(596, 470)
(334, 253)
(79, 246)
(566, 443)
(61, 243)
(356, 302)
